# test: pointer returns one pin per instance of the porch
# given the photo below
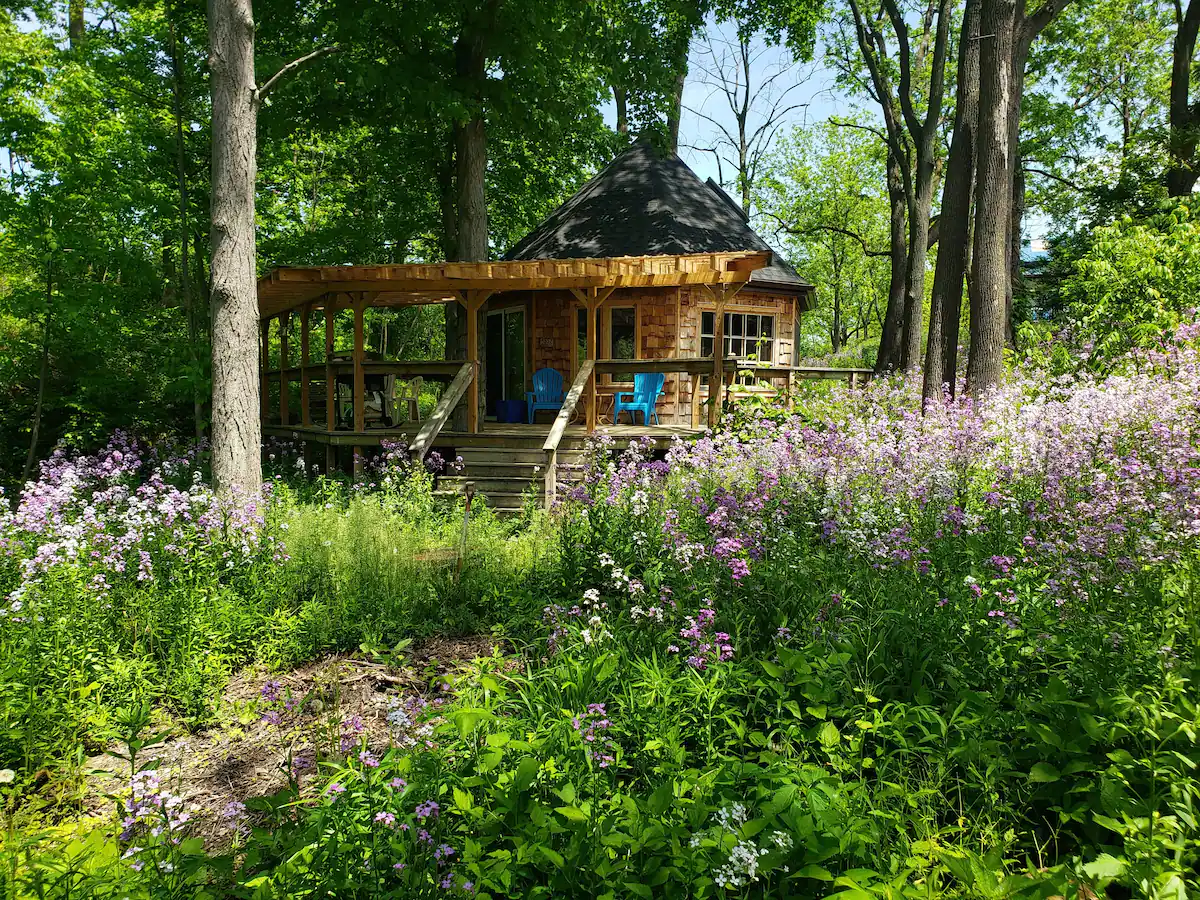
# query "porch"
(339, 398)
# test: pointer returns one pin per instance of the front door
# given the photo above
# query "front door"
(504, 378)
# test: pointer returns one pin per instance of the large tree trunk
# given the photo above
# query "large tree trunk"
(237, 430)
(1184, 117)
(954, 222)
(993, 197)
(893, 318)
(470, 157)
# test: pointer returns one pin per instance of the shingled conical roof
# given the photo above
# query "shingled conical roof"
(648, 203)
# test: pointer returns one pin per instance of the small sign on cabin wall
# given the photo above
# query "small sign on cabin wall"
(545, 343)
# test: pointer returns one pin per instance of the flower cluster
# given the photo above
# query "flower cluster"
(592, 727)
(705, 647)
(152, 817)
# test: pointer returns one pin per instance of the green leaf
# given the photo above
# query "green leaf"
(1104, 866)
(572, 813)
(1044, 773)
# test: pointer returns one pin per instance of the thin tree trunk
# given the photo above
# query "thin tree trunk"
(954, 223)
(1183, 116)
(187, 295)
(914, 275)
(675, 110)
(893, 318)
(621, 99)
(75, 23)
(237, 430)
(43, 376)
(993, 197)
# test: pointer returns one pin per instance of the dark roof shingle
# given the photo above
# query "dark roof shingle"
(646, 203)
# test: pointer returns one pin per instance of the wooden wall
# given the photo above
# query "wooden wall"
(668, 325)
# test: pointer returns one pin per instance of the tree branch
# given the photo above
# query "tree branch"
(1075, 186)
(260, 92)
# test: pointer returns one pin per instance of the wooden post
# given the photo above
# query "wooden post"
(305, 339)
(473, 357)
(330, 375)
(472, 302)
(285, 323)
(694, 380)
(265, 386)
(716, 382)
(360, 384)
(791, 391)
(593, 413)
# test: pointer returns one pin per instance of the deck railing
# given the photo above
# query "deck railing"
(565, 414)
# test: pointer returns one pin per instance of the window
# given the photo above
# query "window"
(622, 333)
(580, 337)
(746, 335)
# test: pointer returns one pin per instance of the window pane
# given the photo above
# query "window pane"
(735, 325)
(768, 326)
(707, 323)
(767, 351)
(706, 346)
(727, 317)
(623, 337)
(581, 335)
(752, 326)
(727, 346)
(739, 348)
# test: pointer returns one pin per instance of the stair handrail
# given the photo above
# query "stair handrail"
(565, 414)
(449, 399)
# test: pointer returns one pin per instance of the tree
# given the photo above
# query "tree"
(824, 196)
(1184, 114)
(237, 432)
(758, 110)
(954, 232)
(909, 91)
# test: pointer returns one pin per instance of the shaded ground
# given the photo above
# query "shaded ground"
(245, 755)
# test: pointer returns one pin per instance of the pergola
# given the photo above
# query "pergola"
(285, 291)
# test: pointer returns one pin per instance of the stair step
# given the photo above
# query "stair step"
(473, 455)
(497, 500)
(523, 471)
(489, 485)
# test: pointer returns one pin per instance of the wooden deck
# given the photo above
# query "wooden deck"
(490, 435)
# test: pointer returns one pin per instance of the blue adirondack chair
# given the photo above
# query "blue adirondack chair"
(547, 392)
(644, 399)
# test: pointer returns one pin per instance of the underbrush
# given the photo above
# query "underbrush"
(128, 581)
(856, 652)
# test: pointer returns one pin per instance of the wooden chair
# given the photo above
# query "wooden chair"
(547, 392)
(412, 398)
(644, 399)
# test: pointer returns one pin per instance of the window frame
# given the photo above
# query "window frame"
(744, 312)
(606, 337)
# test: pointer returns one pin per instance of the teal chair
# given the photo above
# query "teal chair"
(644, 399)
(547, 392)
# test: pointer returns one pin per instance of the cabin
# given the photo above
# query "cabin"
(648, 288)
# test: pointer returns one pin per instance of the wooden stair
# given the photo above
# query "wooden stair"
(504, 476)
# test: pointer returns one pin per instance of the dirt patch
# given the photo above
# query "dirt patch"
(267, 721)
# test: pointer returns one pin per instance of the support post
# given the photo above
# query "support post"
(592, 299)
(721, 295)
(694, 418)
(472, 302)
(264, 400)
(285, 323)
(360, 380)
(330, 376)
(305, 340)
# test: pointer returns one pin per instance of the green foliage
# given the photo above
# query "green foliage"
(1137, 280)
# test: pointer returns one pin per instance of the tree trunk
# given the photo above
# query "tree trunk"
(893, 318)
(43, 375)
(954, 223)
(237, 430)
(75, 23)
(470, 157)
(914, 274)
(187, 295)
(1183, 116)
(621, 99)
(993, 197)
(675, 110)
(1016, 218)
